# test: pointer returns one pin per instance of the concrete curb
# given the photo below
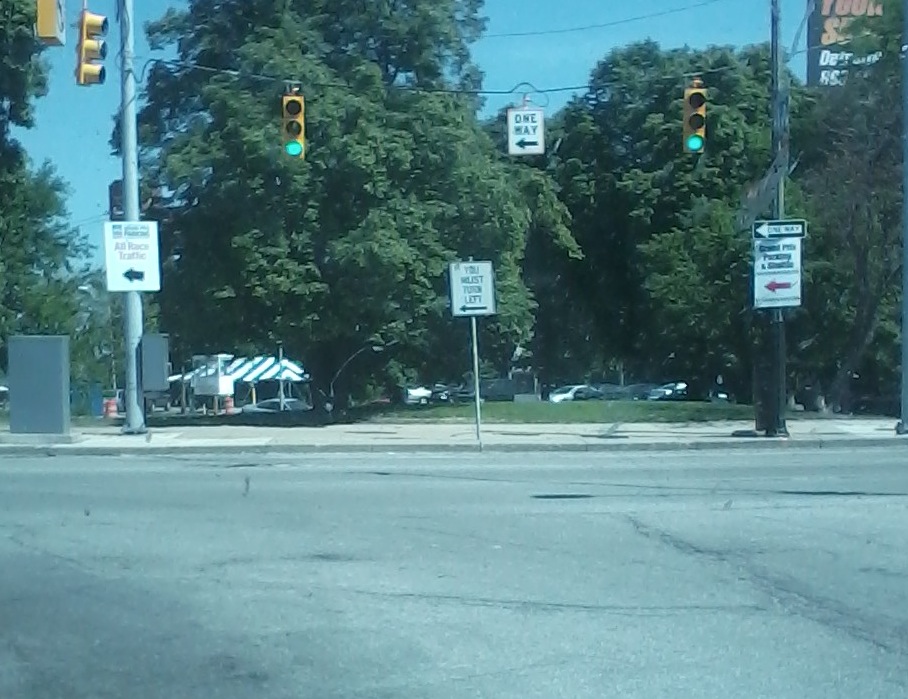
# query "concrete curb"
(736, 444)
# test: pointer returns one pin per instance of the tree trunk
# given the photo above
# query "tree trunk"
(861, 336)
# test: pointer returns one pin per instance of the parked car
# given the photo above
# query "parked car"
(575, 392)
(684, 391)
(426, 395)
(674, 390)
(493, 390)
(273, 405)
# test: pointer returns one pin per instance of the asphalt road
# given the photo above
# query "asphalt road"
(686, 575)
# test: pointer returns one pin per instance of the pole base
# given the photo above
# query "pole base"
(901, 428)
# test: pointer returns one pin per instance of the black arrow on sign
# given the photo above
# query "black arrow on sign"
(134, 275)
(523, 143)
(463, 309)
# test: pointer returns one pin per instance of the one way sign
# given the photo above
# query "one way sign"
(526, 131)
(767, 230)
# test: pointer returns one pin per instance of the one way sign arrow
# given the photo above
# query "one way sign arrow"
(134, 275)
(794, 228)
(523, 143)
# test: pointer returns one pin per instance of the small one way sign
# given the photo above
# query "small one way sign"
(526, 131)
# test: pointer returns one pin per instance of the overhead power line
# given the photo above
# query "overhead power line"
(249, 75)
(516, 89)
(606, 25)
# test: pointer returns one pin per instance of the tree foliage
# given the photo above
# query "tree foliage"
(664, 270)
(40, 256)
(350, 245)
(616, 253)
(851, 182)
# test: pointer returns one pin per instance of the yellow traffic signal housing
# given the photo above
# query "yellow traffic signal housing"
(293, 117)
(91, 49)
(695, 118)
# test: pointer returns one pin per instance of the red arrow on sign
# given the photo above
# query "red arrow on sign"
(775, 286)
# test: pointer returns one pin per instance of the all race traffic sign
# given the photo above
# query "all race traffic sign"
(472, 289)
(132, 256)
(526, 131)
(786, 228)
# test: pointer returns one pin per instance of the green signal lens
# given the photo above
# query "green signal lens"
(694, 142)
(294, 149)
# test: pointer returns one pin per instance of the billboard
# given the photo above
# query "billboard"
(828, 54)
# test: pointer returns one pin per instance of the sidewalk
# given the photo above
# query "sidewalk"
(455, 437)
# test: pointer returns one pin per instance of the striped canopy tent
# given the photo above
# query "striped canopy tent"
(253, 370)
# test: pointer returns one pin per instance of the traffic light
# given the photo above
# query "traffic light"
(293, 112)
(91, 48)
(695, 118)
(115, 210)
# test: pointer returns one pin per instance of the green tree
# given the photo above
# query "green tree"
(850, 174)
(41, 259)
(664, 267)
(351, 245)
(561, 350)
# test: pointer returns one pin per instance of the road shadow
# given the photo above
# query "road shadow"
(317, 417)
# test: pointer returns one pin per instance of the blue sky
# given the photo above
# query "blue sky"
(545, 60)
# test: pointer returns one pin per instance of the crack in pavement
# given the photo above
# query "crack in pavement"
(538, 605)
(795, 597)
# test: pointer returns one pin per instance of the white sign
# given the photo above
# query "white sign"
(794, 228)
(526, 131)
(472, 289)
(777, 273)
(50, 22)
(132, 255)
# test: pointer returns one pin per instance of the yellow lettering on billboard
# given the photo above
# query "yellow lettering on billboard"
(851, 8)
(834, 30)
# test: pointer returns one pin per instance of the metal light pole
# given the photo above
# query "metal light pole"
(280, 377)
(902, 427)
(375, 347)
(133, 324)
(777, 425)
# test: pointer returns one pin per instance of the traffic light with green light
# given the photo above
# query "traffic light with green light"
(695, 118)
(293, 111)
(91, 49)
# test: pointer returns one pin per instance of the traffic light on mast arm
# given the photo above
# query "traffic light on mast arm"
(293, 117)
(91, 49)
(695, 117)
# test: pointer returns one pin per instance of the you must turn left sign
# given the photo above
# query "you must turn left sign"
(472, 289)
(526, 131)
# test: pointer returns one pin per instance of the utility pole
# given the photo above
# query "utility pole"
(280, 376)
(779, 395)
(902, 427)
(135, 412)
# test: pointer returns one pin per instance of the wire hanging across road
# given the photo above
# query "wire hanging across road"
(249, 75)
(516, 89)
(605, 25)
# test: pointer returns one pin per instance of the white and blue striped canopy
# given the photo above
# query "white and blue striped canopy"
(256, 369)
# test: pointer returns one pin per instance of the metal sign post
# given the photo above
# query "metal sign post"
(472, 295)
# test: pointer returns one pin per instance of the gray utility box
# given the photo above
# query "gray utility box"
(39, 392)
(155, 363)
